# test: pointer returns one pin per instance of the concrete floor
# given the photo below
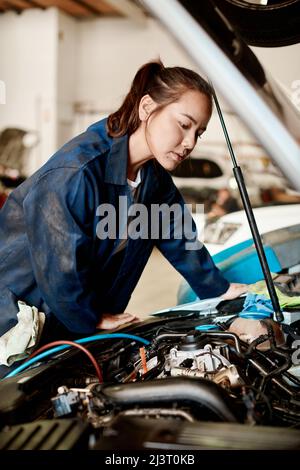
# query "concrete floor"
(157, 288)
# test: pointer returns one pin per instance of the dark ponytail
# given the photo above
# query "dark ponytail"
(164, 84)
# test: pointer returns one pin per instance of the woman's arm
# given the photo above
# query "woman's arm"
(61, 246)
(195, 265)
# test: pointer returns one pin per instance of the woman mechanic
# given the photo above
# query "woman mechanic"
(51, 255)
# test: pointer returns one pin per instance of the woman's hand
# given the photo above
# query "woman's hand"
(234, 291)
(109, 321)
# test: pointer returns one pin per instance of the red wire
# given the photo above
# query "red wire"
(76, 345)
(144, 360)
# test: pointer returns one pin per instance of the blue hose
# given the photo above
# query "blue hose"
(79, 341)
(210, 326)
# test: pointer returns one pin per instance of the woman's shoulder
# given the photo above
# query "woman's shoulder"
(80, 154)
(83, 149)
(79, 160)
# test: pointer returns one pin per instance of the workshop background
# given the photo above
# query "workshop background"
(65, 64)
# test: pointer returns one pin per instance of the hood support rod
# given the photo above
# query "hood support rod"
(250, 216)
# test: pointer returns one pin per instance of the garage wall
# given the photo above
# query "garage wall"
(111, 50)
(28, 68)
(109, 53)
(66, 76)
(53, 64)
(62, 74)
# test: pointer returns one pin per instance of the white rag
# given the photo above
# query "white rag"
(18, 342)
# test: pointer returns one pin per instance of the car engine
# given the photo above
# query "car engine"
(196, 374)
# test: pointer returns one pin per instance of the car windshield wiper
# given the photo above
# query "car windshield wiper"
(250, 216)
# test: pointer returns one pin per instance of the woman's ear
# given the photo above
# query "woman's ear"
(146, 106)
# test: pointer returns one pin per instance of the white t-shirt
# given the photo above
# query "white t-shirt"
(134, 184)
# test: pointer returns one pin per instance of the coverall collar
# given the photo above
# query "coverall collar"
(116, 167)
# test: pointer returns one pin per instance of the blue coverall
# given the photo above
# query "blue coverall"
(50, 255)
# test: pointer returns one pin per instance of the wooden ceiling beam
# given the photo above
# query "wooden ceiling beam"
(68, 6)
(18, 4)
(42, 4)
(81, 8)
(35, 4)
(100, 6)
(92, 10)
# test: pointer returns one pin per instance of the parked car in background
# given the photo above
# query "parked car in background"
(230, 229)
(209, 169)
(233, 249)
(15, 149)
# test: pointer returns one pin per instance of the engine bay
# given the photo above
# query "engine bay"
(211, 372)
